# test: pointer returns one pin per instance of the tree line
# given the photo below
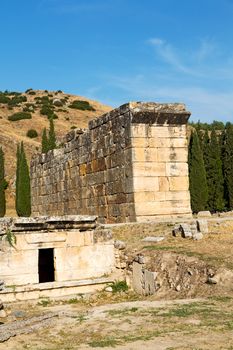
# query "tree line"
(211, 167)
(22, 184)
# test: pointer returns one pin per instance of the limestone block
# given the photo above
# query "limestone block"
(176, 169)
(172, 154)
(84, 262)
(75, 239)
(149, 196)
(151, 169)
(169, 131)
(202, 226)
(150, 286)
(138, 142)
(177, 196)
(180, 183)
(137, 278)
(163, 184)
(144, 183)
(138, 130)
(162, 208)
(88, 238)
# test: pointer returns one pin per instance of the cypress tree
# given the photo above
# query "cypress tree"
(23, 183)
(17, 178)
(52, 136)
(3, 185)
(197, 175)
(214, 172)
(45, 143)
(228, 164)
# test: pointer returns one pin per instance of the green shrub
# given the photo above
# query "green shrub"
(73, 127)
(16, 100)
(32, 133)
(31, 93)
(4, 98)
(19, 116)
(119, 286)
(82, 105)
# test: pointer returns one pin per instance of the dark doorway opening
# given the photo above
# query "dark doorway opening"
(46, 265)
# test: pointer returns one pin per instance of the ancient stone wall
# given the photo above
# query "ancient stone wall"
(130, 165)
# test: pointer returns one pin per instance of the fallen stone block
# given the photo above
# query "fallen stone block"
(119, 245)
(153, 239)
(204, 214)
(186, 231)
(202, 226)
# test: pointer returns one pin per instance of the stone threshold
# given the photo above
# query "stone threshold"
(52, 289)
(54, 285)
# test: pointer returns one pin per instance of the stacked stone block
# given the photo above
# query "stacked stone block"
(130, 165)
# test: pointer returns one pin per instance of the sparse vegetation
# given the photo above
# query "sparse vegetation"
(119, 286)
(82, 105)
(32, 133)
(3, 184)
(19, 116)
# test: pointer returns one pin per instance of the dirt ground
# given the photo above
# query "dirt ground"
(176, 324)
(200, 317)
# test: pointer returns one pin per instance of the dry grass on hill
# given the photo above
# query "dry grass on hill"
(13, 132)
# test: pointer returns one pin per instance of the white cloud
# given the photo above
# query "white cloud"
(203, 103)
(170, 55)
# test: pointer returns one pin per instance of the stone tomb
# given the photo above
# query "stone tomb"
(53, 256)
(129, 165)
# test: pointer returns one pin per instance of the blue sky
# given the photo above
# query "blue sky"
(117, 51)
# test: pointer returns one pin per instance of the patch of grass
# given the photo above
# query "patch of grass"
(73, 301)
(103, 343)
(222, 299)
(119, 286)
(44, 302)
(157, 247)
(122, 312)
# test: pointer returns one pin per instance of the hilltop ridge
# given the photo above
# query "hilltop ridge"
(68, 110)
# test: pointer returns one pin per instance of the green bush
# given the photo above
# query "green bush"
(82, 105)
(119, 286)
(4, 98)
(16, 100)
(32, 133)
(19, 116)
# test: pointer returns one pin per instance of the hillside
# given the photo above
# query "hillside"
(35, 102)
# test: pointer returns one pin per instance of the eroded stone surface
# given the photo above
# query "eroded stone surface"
(129, 165)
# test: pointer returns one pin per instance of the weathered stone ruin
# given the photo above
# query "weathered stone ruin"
(53, 256)
(129, 165)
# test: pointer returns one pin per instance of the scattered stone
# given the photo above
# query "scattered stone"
(1, 284)
(3, 313)
(213, 280)
(140, 259)
(210, 272)
(178, 288)
(197, 236)
(202, 226)
(153, 239)
(186, 231)
(108, 289)
(190, 272)
(176, 231)
(204, 214)
(119, 245)
(19, 314)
